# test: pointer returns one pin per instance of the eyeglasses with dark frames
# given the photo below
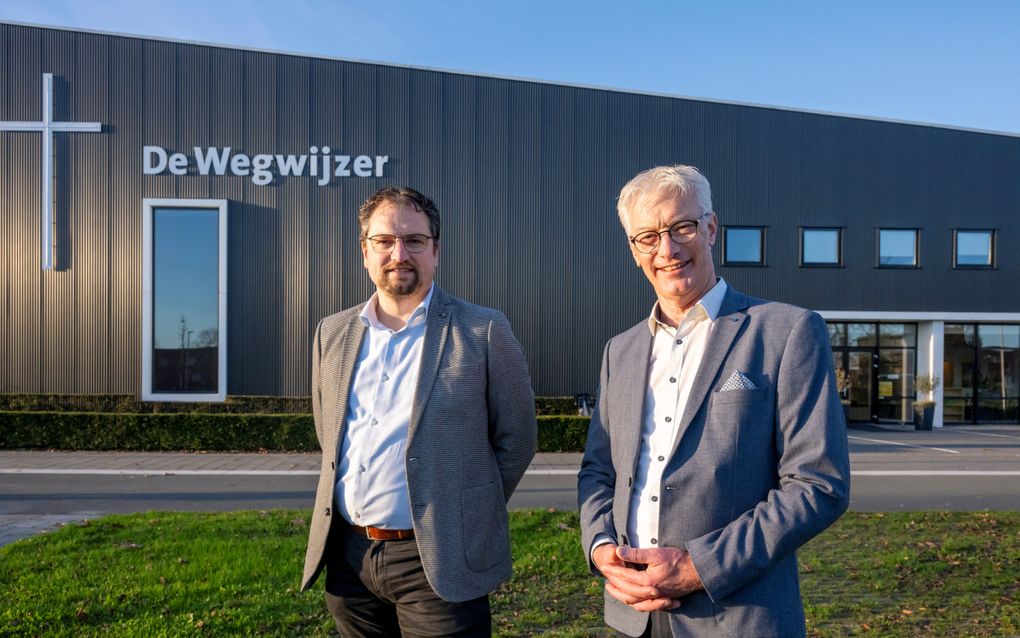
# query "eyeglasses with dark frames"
(414, 243)
(681, 232)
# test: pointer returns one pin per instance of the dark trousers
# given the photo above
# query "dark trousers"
(378, 589)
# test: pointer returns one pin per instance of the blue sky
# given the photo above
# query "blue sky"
(951, 63)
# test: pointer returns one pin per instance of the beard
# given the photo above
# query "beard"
(401, 287)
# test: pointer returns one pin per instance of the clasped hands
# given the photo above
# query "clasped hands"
(647, 579)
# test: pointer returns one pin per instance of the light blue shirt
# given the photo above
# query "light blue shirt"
(371, 487)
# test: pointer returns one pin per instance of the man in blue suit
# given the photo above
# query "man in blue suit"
(718, 444)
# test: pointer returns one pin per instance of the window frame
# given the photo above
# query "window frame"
(917, 249)
(761, 263)
(149, 206)
(991, 248)
(823, 264)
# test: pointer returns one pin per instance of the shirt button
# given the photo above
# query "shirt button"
(375, 421)
(662, 458)
(385, 377)
(679, 342)
(655, 499)
(672, 379)
(361, 468)
(669, 419)
(655, 541)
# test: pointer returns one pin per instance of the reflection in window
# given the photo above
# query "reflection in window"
(897, 335)
(997, 371)
(974, 248)
(837, 334)
(185, 302)
(820, 247)
(897, 248)
(958, 368)
(880, 361)
(860, 334)
(982, 380)
(744, 246)
(958, 373)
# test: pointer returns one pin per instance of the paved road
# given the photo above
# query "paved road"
(956, 468)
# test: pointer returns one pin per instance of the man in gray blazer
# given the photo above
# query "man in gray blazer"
(426, 418)
(718, 445)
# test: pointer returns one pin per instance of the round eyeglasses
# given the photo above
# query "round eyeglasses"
(680, 232)
(414, 243)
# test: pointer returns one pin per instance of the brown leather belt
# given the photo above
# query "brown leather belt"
(379, 534)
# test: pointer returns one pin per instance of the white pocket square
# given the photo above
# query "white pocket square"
(738, 381)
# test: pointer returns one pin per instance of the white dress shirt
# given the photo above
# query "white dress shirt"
(371, 487)
(672, 366)
(676, 356)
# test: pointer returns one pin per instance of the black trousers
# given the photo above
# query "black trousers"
(378, 589)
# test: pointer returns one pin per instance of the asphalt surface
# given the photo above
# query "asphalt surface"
(962, 468)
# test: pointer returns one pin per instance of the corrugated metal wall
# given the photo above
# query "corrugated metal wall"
(526, 175)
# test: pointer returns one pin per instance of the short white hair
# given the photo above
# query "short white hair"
(680, 179)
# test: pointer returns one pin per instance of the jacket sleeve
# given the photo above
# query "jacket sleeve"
(513, 430)
(813, 470)
(596, 482)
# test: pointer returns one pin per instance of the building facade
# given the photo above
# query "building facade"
(177, 218)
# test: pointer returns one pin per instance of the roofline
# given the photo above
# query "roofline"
(593, 87)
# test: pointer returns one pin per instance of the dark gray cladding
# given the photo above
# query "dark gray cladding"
(526, 175)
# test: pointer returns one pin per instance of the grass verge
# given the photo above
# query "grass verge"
(236, 574)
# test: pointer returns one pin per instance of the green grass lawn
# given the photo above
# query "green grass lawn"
(236, 574)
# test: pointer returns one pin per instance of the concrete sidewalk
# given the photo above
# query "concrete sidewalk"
(17, 526)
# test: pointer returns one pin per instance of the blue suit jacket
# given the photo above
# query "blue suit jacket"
(753, 474)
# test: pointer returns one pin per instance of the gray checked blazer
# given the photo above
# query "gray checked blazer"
(472, 435)
(759, 466)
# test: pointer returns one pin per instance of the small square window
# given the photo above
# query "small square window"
(743, 246)
(974, 248)
(897, 248)
(821, 247)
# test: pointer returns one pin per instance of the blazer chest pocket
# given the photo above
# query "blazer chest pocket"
(470, 368)
(737, 396)
(461, 384)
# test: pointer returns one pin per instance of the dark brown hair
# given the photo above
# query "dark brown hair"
(403, 195)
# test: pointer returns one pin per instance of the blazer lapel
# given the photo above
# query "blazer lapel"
(725, 329)
(437, 328)
(349, 350)
(637, 351)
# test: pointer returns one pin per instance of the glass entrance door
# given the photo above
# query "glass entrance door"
(860, 387)
(879, 361)
(895, 385)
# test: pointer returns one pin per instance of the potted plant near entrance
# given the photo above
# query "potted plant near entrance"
(924, 409)
(843, 386)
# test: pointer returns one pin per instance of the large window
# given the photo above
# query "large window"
(973, 248)
(982, 380)
(897, 248)
(821, 247)
(184, 292)
(743, 246)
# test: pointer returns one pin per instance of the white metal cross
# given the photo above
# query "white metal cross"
(48, 127)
